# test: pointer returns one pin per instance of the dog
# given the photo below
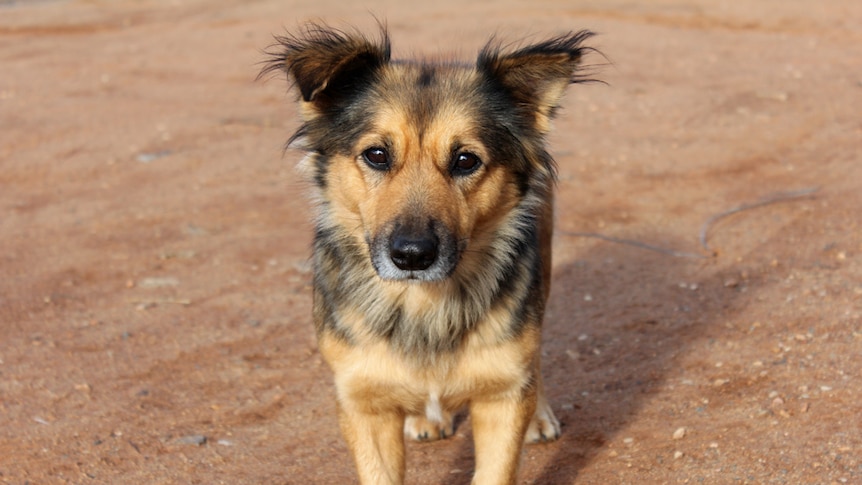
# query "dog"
(433, 190)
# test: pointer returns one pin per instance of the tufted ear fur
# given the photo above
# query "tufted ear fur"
(536, 76)
(328, 66)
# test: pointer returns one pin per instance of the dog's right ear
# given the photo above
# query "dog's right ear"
(328, 66)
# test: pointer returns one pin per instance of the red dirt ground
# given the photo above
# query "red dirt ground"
(154, 283)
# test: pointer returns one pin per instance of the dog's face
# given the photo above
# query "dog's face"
(422, 161)
(425, 172)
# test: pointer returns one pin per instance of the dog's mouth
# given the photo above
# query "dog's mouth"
(414, 251)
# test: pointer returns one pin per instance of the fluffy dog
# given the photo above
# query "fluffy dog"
(432, 244)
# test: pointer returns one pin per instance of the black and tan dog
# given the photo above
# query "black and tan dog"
(432, 255)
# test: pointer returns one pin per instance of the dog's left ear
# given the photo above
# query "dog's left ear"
(328, 66)
(536, 76)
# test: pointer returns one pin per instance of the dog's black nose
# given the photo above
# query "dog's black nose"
(413, 252)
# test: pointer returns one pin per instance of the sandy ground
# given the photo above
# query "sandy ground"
(154, 285)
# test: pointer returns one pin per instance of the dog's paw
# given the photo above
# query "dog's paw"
(544, 426)
(419, 428)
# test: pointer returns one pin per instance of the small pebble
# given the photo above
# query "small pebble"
(193, 439)
(677, 455)
(779, 96)
(679, 433)
(151, 156)
(158, 282)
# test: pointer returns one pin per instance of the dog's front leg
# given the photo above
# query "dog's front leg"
(376, 441)
(498, 432)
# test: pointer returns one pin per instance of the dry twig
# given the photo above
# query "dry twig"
(704, 230)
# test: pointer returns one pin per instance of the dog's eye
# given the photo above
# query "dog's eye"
(465, 163)
(376, 158)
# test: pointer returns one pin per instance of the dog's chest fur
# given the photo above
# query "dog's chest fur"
(396, 381)
(493, 292)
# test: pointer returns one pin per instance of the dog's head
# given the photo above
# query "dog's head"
(423, 161)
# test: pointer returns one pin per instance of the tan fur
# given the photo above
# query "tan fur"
(421, 179)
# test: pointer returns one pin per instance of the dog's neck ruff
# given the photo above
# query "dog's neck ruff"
(358, 305)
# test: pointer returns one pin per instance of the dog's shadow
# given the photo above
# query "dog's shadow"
(617, 319)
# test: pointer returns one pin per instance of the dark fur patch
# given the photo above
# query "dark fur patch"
(426, 76)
